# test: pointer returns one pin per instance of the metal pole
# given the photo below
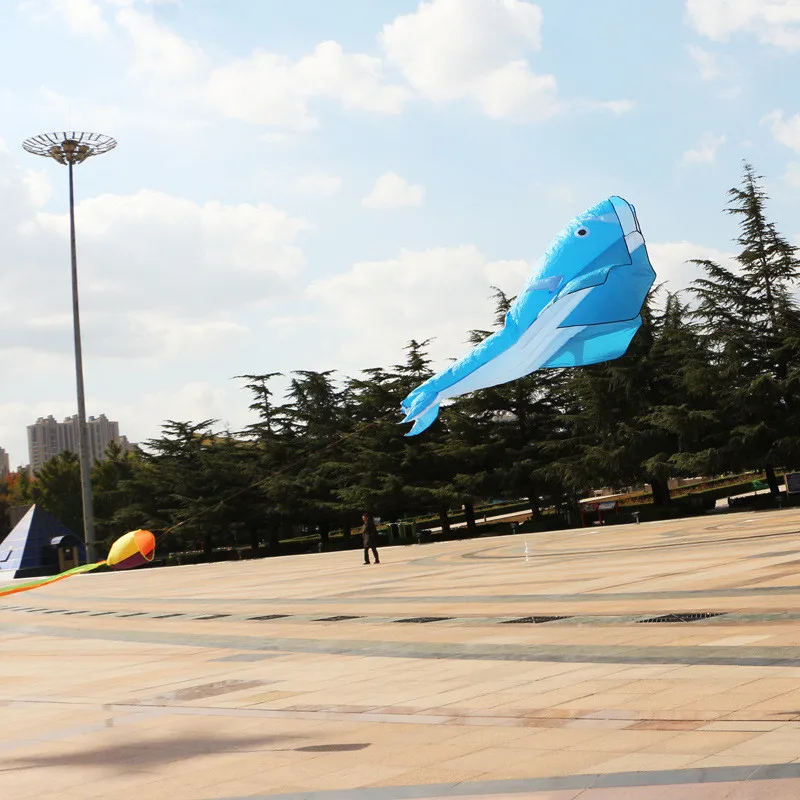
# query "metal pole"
(83, 432)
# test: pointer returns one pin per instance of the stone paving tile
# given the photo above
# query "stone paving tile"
(202, 709)
(701, 743)
(628, 742)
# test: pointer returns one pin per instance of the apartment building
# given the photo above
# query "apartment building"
(47, 438)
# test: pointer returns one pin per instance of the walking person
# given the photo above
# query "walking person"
(369, 534)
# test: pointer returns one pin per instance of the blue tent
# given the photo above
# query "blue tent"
(31, 549)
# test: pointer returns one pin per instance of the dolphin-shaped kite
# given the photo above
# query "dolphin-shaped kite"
(581, 306)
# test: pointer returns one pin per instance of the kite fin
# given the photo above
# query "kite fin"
(425, 421)
(546, 284)
(596, 344)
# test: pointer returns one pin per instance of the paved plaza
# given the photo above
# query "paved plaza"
(640, 662)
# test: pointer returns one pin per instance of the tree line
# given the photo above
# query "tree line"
(709, 386)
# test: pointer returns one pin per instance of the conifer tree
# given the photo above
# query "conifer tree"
(750, 323)
(612, 438)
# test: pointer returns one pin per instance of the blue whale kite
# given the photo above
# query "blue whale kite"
(581, 306)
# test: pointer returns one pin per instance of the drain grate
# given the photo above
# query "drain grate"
(213, 616)
(101, 613)
(167, 616)
(531, 620)
(131, 614)
(424, 619)
(340, 618)
(270, 616)
(690, 617)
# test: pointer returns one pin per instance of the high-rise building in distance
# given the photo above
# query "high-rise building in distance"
(47, 438)
(5, 464)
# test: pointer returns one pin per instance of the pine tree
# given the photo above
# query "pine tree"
(612, 436)
(685, 405)
(121, 500)
(751, 326)
(275, 443)
(507, 428)
(387, 473)
(59, 484)
(199, 478)
(370, 473)
(316, 413)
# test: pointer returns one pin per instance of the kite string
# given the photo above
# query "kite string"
(274, 474)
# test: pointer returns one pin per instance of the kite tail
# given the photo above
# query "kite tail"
(26, 587)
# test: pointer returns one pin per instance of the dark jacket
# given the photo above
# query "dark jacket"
(369, 533)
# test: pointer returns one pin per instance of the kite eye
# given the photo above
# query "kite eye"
(582, 232)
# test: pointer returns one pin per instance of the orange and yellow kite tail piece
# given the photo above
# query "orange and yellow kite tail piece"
(131, 550)
(26, 587)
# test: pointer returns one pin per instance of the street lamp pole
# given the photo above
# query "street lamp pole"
(71, 148)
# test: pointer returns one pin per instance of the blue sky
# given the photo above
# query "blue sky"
(309, 185)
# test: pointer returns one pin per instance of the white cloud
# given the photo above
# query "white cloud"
(92, 116)
(160, 275)
(721, 70)
(127, 3)
(153, 251)
(670, 261)
(196, 401)
(171, 289)
(785, 131)
(448, 50)
(476, 50)
(40, 189)
(705, 151)
(320, 183)
(618, 107)
(263, 88)
(402, 298)
(707, 63)
(157, 50)
(792, 176)
(514, 91)
(773, 22)
(270, 89)
(455, 49)
(392, 192)
(82, 17)
(355, 80)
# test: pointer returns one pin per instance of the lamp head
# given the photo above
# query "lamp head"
(69, 147)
